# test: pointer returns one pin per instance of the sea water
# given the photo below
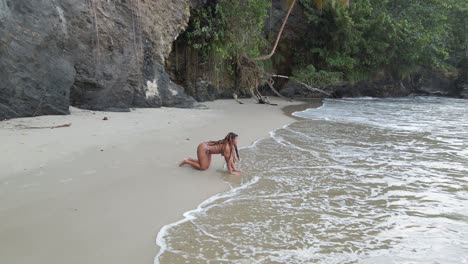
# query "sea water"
(355, 181)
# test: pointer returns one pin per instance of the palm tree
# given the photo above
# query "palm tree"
(250, 73)
(265, 57)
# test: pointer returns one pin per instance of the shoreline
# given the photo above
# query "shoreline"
(101, 190)
(288, 110)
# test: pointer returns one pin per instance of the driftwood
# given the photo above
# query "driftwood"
(43, 127)
(235, 98)
(307, 86)
(270, 83)
(262, 99)
(250, 75)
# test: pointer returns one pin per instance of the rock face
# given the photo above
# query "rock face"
(93, 54)
(36, 75)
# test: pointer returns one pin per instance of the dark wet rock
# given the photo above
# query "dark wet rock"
(460, 86)
(426, 83)
(116, 109)
(432, 83)
(99, 55)
(171, 93)
(35, 72)
(204, 91)
(382, 88)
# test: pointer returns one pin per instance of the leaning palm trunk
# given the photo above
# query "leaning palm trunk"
(265, 57)
(249, 71)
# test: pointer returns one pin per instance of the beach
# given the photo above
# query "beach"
(356, 180)
(96, 187)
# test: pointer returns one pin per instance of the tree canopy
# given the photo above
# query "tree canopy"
(345, 41)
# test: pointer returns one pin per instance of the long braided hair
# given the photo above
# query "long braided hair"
(228, 140)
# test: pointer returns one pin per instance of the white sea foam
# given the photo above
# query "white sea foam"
(210, 202)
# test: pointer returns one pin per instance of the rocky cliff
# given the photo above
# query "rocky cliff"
(93, 54)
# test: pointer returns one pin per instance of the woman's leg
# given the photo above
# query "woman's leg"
(204, 156)
(204, 159)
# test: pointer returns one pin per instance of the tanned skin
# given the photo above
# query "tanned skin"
(206, 149)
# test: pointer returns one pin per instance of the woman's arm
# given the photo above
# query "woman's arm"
(230, 160)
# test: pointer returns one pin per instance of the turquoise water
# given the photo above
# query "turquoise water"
(355, 181)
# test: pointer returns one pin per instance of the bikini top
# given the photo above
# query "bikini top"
(218, 148)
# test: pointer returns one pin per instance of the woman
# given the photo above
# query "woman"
(227, 147)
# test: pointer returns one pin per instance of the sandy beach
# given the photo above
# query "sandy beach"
(98, 191)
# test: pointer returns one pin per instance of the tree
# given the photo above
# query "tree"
(250, 73)
(318, 3)
(280, 32)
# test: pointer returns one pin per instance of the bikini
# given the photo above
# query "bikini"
(207, 149)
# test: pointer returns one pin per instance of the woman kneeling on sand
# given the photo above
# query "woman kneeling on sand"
(227, 147)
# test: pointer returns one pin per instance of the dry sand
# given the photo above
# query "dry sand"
(100, 190)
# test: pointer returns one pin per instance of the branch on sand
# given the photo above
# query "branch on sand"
(307, 86)
(43, 127)
(250, 75)
(270, 83)
(235, 98)
(262, 99)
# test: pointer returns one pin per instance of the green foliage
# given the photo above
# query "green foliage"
(225, 29)
(371, 36)
(245, 20)
(206, 30)
(458, 29)
(320, 78)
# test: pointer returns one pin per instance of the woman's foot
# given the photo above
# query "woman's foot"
(183, 162)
